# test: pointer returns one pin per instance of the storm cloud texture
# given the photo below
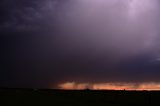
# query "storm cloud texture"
(46, 42)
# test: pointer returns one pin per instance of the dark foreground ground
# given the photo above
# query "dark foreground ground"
(33, 97)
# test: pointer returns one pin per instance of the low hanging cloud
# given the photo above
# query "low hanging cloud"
(96, 41)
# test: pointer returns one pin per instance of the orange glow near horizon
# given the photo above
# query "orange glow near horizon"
(109, 86)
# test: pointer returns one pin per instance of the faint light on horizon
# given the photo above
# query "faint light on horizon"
(109, 86)
(73, 85)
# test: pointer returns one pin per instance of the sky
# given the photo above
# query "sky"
(84, 43)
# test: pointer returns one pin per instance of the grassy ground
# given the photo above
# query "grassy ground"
(30, 97)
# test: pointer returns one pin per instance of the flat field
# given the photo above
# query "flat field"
(50, 97)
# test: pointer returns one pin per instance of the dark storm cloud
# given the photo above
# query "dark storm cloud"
(27, 15)
(52, 41)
